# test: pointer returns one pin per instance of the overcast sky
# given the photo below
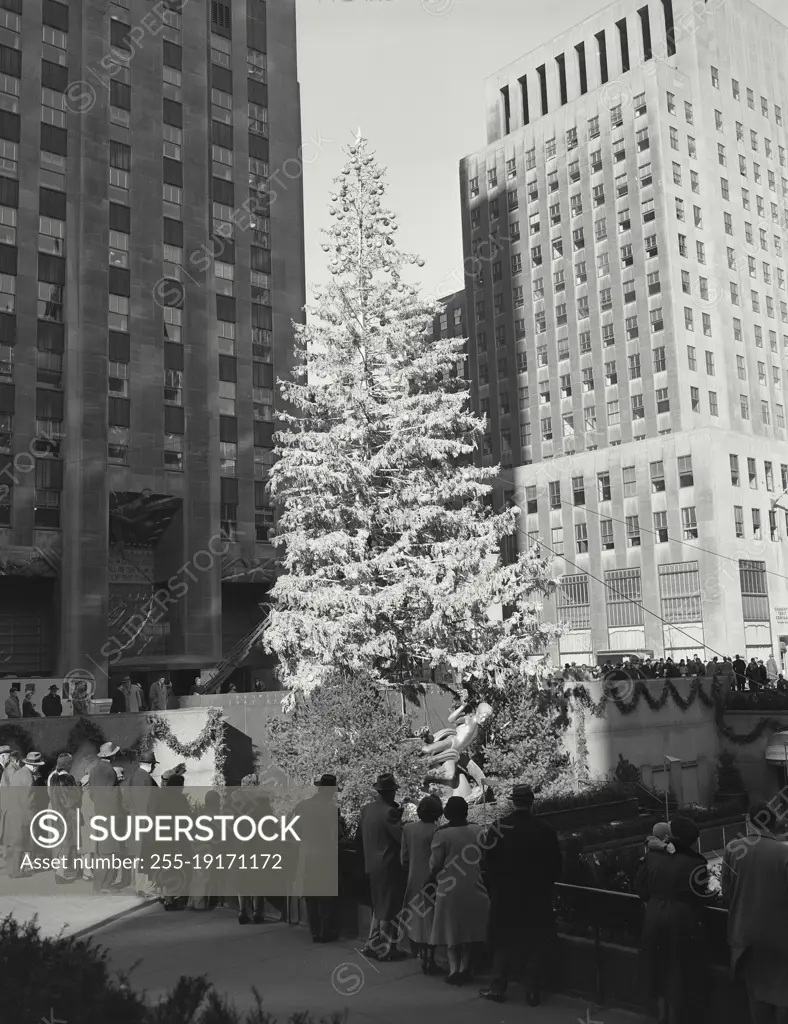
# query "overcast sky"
(410, 74)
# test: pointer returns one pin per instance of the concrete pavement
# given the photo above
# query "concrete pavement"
(292, 974)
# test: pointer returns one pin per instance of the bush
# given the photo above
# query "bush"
(351, 730)
(68, 979)
(729, 778)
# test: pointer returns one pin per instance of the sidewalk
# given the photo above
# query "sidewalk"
(292, 974)
(66, 910)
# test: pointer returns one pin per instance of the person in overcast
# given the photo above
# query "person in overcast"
(379, 837)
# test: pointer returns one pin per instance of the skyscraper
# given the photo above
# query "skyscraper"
(148, 282)
(627, 226)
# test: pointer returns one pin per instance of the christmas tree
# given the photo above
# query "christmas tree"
(390, 544)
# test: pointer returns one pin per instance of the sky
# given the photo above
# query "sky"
(410, 74)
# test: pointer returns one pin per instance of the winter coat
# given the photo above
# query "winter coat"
(523, 862)
(380, 839)
(674, 941)
(415, 854)
(462, 906)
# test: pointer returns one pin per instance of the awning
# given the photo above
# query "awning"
(777, 748)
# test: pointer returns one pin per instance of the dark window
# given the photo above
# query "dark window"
(262, 375)
(258, 92)
(223, 192)
(173, 356)
(228, 429)
(173, 232)
(222, 249)
(120, 95)
(49, 404)
(221, 78)
(172, 295)
(258, 147)
(54, 140)
(119, 155)
(542, 73)
(119, 412)
(624, 43)
(51, 336)
(51, 269)
(8, 259)
(54, 76)
(119, 281)
(261, 316)
(670, 31)
(173, 55)
(119, 348)
(228, 369)
(49, 472)
(263, 432)
(119, 218)
(222, 134)
(9, 192)
(173, 113)
(12, 5)
(229, 488)
(225, 308)
(507, 113)
(561, 62)
(11, 61)
(255, 28)
(524, 98)
(7, 398)
(601, 47)
(173, 172)
(260, 259)
(221, 22)
(10, 126)
(174, 422)
(7, 328)
(54, 14)
(51, 204)
(260, 496)
(119, 35)
(581, 67)
(645, 26)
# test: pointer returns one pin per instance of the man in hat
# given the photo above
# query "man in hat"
(137, 794)
(24, 800)
(523, 864)
(380, 840)
(8, 766)
(13, 708)
(323, 829)
(52, 705)
(160, 696)
(105, 793)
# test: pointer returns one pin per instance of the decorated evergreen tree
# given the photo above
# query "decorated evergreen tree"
(390, 543)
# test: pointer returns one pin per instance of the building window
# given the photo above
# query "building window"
(118, 316)
(118, 379)
(173, 452)
(633, 531)
(661, 527)
(172, 202)
(738, 520)
(606, 534)
(117, 443)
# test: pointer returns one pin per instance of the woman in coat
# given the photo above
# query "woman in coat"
(462, 905)
(417, 839)
(65, 797)
(674, 941)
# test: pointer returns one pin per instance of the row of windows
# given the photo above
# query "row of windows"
(633, 531)
(736, 93)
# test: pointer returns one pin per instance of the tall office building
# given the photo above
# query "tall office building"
(148, 281)
(629, 320)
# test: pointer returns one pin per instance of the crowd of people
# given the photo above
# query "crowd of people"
(444, 882)
(736, 673)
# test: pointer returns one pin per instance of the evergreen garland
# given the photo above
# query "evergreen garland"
(212, 734)
(16, 737)
(713, 699)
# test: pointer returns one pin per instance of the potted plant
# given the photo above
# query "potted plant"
(731, 790)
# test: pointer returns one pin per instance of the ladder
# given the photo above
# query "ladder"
(236, 656)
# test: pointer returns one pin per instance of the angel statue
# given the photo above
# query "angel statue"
(448, 762)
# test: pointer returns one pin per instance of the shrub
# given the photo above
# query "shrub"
(68, 979)
(729, 778)
(351, 730)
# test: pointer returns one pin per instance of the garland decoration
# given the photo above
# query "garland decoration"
(85, 731)
(640, 690)
(213, 734)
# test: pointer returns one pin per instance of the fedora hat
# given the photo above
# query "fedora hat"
(326, 780)
(386, 783)
(522, 794)
(5, 750)
(108, 749)
(33, 759)
(147, 757)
